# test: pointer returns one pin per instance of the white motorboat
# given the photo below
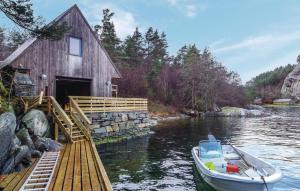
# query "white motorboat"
(228, 168)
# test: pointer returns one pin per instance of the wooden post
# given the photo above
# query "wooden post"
(48, 105)
(55, 131)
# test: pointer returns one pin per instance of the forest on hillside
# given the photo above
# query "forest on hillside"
(192, 78)
(268, 85)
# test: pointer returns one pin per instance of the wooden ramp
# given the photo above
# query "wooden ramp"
(41, 176)
(78, 168)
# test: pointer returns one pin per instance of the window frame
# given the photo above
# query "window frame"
(80, 46)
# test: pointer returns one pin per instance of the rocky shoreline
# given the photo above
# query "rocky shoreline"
(24, 139)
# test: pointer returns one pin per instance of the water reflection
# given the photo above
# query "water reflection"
(163, 161)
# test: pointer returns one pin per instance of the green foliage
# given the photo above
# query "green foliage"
(21, 13)
(191, 79)
(107, 34)
(257, 87)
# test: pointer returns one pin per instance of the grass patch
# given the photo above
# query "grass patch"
(158, 109)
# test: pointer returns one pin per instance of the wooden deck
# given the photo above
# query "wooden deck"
(79, 168)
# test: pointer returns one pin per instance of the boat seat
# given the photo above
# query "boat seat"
(251, 173)
(231, 156)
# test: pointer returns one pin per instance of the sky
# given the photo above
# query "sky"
(247, 36)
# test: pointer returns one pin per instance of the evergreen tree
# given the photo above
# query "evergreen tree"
(133, 50)
(15, 39)
(107, 34)
(21, 13)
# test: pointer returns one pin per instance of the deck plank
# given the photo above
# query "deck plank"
(58, 166)
(62, 169)
(70, 169)
(86, 186)
(17, 183)
(7, 179)
(21, 176)
(92, 169)
(77, 168)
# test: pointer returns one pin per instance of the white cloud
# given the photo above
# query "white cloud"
(254, 55)
(269, 41)
(189, 8)
(124, 21)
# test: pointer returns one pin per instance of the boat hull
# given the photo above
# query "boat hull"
(223, 184)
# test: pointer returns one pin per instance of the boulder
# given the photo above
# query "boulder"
(291, 84)
(241, 112)
(18, 156)
(7, 136)
(131, 116)
(124, 117)
(36, 122)
(45, 144)
(25, 139)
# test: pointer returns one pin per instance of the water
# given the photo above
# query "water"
(163, 161)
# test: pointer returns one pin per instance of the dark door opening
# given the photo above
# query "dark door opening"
(71, 87)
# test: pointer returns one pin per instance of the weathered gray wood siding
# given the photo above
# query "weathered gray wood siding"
(52, 58)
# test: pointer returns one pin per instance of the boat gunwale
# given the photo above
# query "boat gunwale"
(276, 176)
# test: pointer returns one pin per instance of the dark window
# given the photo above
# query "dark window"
(75, 46)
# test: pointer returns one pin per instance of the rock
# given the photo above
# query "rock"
(145, 120)
(129, 125)
(256, 107)
(7, 129)
(142, 115)
(131, 116)
(122, 125)
(124, 117)
(22, 152)
(105, 123)
(115, 127)
(45, 144)
(118, 119)
(109, 129)
(153, 122)
(240, 112)
(137, 121)
(25, 139)
(36, 122)
(291, 84)
(142, 125)
(100, 130)
(258, 101)
(103, 115)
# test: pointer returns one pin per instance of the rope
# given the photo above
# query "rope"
(263, 179)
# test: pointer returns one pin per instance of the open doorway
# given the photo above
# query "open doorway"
(71, 87)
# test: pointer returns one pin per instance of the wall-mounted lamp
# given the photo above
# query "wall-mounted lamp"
(108, 83)
(44, 77)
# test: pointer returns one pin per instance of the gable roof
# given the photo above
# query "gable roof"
(12, 57)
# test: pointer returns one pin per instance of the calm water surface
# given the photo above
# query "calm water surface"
(163, 161)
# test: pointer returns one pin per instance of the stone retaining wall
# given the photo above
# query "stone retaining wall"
(119, 123)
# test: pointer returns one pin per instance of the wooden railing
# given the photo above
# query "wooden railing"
(114, 90)
(62, 118)
(31, 102)
(109, 104)
(80, 118)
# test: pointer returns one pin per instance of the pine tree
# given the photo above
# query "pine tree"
(21, 13)
(133, 50)
(107, 34)
(15, 39)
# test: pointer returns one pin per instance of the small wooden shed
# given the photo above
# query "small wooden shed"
(75, 65)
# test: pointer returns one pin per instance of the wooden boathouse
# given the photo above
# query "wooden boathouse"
(75, 65)
(77, 71)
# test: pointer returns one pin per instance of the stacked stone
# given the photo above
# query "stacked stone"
(111, 124)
